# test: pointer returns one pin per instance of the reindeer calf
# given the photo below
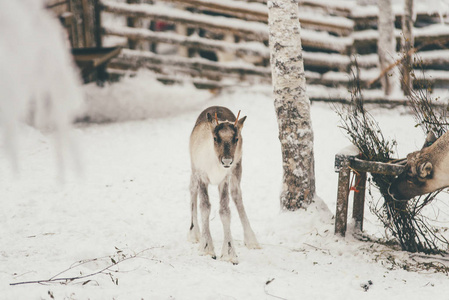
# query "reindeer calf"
(216, 158)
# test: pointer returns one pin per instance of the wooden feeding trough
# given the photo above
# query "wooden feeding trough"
(93, 60)
(344, 165)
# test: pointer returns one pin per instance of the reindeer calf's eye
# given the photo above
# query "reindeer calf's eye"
(215, 139)
(236, 140)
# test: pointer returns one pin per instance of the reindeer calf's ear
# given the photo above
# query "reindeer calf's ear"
(213, 120)
(240, 122)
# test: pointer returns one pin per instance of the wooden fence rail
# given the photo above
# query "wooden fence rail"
(246, 30)
(197, 67)
(251, 30)
(331, 33)
(259, 12)
(194, 41)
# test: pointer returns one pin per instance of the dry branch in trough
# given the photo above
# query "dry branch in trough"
(402, 218)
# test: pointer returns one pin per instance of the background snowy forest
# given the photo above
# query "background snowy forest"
(103, 206)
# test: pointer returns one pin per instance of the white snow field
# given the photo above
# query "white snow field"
(132, 201)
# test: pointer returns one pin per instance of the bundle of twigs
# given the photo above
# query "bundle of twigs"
(403, 219)
(429, 114)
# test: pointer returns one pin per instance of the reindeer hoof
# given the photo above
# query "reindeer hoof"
(252, 245)
(194, 236)
(228, 253)
(232, 259)
(207, 249)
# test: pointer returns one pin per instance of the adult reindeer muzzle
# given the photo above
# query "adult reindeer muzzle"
(426, 170)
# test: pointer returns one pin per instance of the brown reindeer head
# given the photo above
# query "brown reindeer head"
(415, 179)
(420, 175)
(227, 138)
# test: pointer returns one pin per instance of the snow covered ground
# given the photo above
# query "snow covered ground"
(131, 201)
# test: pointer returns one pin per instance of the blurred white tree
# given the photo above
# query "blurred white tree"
(38, 81)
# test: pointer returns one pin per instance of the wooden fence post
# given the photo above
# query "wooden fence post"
(77, 35)
(135, 23)
(344, 163)
(407, 45)
(359, 200)
(341, 212)
(226, 56)
(97, 30)
(97, 35)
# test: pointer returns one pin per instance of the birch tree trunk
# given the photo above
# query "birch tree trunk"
(407, 45)
(291, 104)
(386, 45)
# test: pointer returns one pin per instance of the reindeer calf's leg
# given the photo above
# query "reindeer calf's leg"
(206, 244)
(194, 231)
(228, 251)
(248, 233)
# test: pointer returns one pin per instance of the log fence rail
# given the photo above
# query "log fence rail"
(331, 35)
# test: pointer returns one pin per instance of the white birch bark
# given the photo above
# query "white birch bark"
(291, 104)
(407, 45)
(386, 45)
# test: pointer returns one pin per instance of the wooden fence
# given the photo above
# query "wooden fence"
(80, 19)
(225, 43)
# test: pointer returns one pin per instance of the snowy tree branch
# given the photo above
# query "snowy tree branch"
(114, 262)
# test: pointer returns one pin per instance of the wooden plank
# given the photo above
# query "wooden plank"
(210, 69)
(407, 43)
(247, 11)
(359, 201)
(343, 164)
(92, 61)
(58, 7)
(198, 82)
(136, 23)
(95, 56)
(259, 12)
(250, 30)
(361, 165)
(375, 167)
(246, 30)
(189, 41)
(325, 61)
(87, 23)
(194, 66)
(341, 211)
(98, 35)
(340, 8)
(77, 37)
(365, 41)
(366, 16)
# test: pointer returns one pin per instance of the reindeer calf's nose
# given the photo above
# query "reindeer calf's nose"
(227, 162)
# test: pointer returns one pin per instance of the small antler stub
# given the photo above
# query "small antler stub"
(237, 119)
